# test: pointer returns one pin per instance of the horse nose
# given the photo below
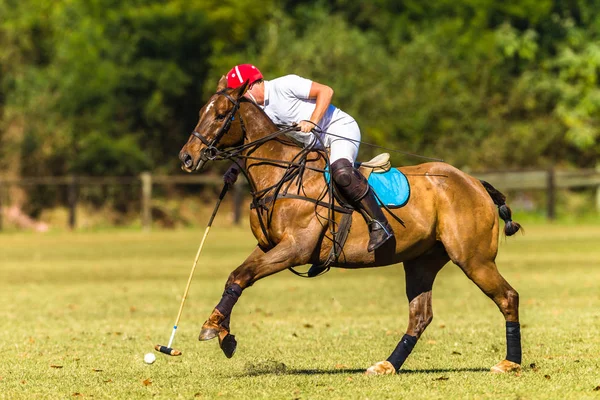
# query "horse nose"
(186, 159)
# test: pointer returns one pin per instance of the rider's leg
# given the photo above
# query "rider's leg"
(356, 190)
(352, 184)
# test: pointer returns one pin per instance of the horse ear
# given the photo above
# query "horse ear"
(239, 92)
(222, 83)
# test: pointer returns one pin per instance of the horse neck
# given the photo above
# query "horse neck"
(258, 125)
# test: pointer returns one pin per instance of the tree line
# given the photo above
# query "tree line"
(107, 87)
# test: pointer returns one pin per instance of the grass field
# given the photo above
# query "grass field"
(79, 310)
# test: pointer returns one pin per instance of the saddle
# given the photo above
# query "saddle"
(378, 164)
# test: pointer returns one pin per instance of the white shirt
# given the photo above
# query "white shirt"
(286, 102)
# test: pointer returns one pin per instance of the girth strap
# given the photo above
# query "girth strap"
(339, 240)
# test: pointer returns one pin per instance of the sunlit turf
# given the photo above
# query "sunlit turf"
(79, 310)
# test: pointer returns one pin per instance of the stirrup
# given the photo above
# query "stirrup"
(382, 228)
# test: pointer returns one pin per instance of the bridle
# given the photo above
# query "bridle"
(210, 152)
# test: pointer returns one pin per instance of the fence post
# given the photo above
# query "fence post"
(551, 193)
(72, 198)
(146, 178)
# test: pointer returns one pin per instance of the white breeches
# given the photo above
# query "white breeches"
(341, 147)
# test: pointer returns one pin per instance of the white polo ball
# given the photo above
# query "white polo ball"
(149, 358)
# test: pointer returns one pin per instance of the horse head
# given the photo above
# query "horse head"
(217, 128)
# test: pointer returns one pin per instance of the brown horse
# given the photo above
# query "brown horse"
(450, 217)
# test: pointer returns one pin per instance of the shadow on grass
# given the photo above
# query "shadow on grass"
(277, 368)
(362, 371)
(442, 370)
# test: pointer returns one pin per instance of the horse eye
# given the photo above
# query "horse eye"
(221, 117)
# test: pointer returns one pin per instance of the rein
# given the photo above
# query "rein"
(261, 200)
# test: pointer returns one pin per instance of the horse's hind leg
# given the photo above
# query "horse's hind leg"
(484, 273)
(420, 274)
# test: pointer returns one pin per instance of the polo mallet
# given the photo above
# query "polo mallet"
(168, 349)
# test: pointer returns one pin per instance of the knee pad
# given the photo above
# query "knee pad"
(349, 181)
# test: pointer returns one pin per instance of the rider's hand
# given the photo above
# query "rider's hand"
(306, 126)
(231, 175)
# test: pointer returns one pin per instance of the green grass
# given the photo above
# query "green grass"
(79, 310)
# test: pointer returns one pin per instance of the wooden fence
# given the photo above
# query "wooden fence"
(146, 181)
(547, 180)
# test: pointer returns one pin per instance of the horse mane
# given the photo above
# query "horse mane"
(285, 139)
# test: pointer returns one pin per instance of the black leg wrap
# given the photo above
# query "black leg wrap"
(402, 351)
(226, 322)
(230, 297)
(513, 342)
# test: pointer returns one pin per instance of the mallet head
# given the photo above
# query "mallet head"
(167, 350)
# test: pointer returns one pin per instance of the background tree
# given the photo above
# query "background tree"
(112, 88)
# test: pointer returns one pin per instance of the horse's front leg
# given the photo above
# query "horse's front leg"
(258, 265)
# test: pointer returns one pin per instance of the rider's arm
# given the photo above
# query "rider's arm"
(322, 94)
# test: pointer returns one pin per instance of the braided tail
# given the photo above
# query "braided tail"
(511, 227)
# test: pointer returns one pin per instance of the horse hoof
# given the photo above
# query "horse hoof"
(212, 326)
(381, 368)
(208, 333)
(505, 366)
(228, 344)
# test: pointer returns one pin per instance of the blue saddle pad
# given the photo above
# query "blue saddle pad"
(391, 187)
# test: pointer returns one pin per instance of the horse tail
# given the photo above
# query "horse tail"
(511, 227)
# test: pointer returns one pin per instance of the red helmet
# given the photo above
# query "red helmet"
(240, 73)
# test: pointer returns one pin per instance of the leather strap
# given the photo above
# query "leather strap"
(264, 201)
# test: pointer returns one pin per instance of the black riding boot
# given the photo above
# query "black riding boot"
(356, 191)
(380, 229)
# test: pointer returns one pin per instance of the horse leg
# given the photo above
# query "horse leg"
(258, 265)
(484, 273)
(420, 274)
